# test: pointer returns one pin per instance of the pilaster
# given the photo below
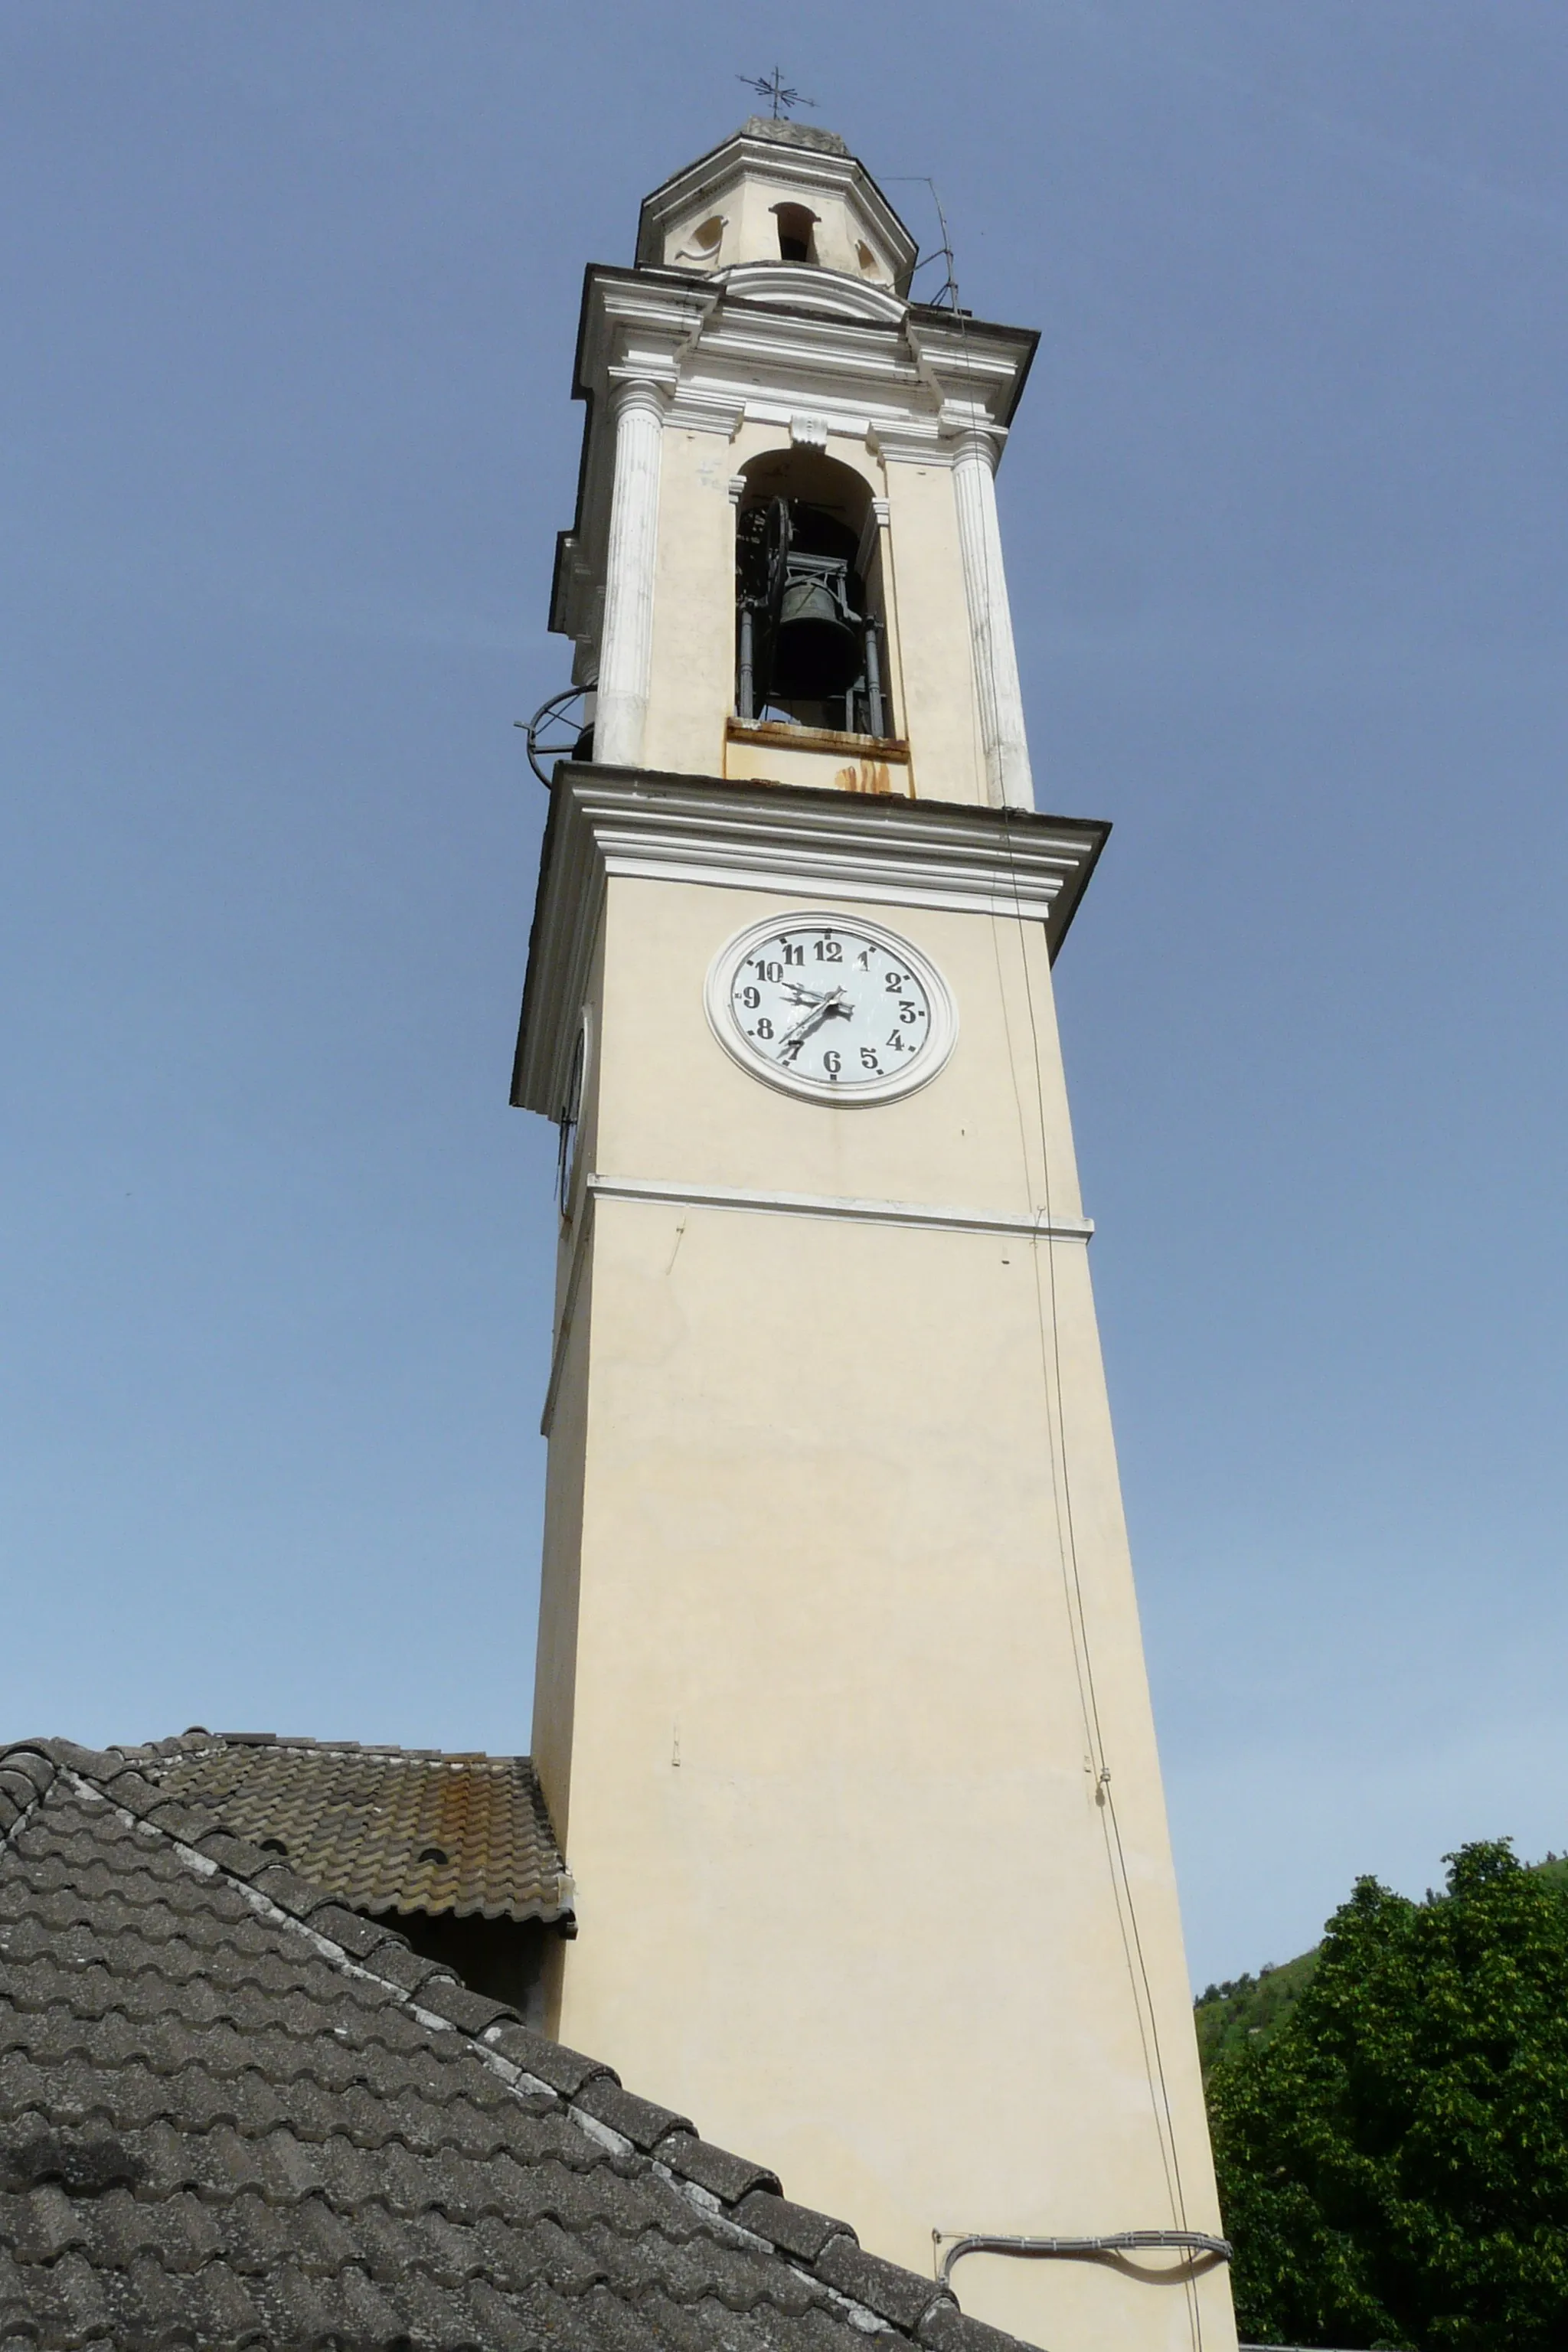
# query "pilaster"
(997, 686)
(626, 652)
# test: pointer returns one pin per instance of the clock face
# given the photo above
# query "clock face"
(837, 1011)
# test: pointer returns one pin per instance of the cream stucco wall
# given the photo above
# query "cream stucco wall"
(817, 1624)
(744, 201)
(931, 670)
(936, 664)
(693, 688)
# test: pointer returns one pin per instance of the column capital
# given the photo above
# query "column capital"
(633, 392)
(970, 444)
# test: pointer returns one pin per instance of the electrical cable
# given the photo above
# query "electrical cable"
(1119, 2241)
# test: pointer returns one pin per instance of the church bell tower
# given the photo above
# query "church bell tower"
(841, 1708)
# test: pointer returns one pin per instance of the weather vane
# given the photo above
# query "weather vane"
(773, 88)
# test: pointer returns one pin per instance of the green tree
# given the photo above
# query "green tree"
(1394, 2163)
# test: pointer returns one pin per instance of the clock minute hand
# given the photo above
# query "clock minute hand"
(813, 1018)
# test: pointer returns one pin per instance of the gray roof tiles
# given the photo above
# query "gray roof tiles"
(232, 2113)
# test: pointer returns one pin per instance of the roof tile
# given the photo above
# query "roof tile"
(566, 2070)
(635, 2119)
(893, 2293)
(945, 2328)
(794, 2228)
(30, 1765)
(384, 1828)
(445, 1996)
(726, 2177)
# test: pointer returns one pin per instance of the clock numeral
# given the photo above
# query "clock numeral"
(820, 1032)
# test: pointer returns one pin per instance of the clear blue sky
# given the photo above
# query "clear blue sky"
(289, 296)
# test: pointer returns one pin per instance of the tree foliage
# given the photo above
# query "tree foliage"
(1393, 2162)
(1249, 2009)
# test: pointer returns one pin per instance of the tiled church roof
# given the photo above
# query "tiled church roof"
(235, 2114)
(385, 1829)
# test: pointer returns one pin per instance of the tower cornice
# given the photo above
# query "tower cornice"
(609, 822)
(762, 344)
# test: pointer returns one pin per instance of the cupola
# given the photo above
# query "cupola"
(777, 191)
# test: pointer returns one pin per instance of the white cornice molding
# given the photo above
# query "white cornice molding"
(639, 327)
(850, 424)
(697, 407)
(915, 441)
(769, 350)
(908, 384)
(805, 286)
(662, 308)
(818, 846)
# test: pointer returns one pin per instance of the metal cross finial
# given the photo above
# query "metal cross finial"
(773, 88)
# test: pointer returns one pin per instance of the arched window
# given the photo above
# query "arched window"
(795, 226)
(810, 650)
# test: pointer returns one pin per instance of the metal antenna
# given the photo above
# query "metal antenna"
(775, 90)
(949, 291)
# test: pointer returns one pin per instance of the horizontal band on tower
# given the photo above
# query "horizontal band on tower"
(1036, 1227)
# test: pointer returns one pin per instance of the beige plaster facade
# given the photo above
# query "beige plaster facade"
(841, 1708)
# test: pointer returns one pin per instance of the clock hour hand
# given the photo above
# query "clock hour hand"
(814, 1017)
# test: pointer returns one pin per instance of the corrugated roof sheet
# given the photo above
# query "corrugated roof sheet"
(386, 1830)
(234, 2113)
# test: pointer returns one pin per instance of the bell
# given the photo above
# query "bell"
(817, 651)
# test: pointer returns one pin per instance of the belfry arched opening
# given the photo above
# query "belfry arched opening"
(810, 649)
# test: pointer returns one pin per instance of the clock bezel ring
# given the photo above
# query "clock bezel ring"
(926, 1064)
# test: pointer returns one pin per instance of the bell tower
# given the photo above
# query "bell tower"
(841, 1709)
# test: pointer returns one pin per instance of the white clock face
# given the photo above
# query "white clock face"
(837, 1011)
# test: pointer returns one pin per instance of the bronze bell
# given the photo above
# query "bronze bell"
(816, 646)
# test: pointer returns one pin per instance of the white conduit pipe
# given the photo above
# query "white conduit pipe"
(1122, 2242)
